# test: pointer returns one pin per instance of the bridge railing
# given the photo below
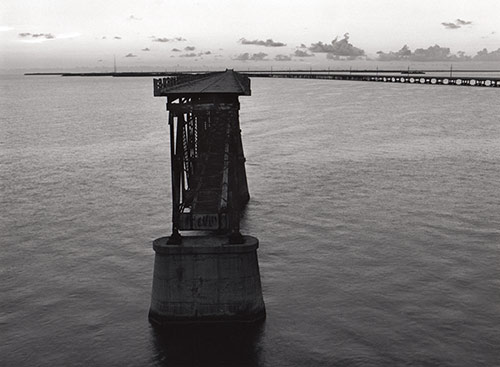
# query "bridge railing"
(244, 82)
(162, 85)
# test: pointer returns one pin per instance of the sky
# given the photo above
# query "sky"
(241, 34)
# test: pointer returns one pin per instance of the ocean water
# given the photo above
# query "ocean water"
(377, 207)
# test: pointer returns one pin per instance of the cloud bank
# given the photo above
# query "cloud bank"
(432, 53)
(484, 55)
(338, 49)
(165, 39)
(436, 53)
(37, 35)
(300, 53)
(282, 58)
(261, 56)
(267, 43)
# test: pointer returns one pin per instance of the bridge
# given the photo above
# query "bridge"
(211, 277)
(408, 78)
(209, 185)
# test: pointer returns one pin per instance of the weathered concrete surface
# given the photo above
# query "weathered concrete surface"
(206, 279)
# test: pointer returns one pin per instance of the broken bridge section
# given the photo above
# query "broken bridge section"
(209, 184)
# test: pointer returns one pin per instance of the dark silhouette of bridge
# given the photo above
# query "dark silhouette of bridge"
(209, 184)
(214, 276)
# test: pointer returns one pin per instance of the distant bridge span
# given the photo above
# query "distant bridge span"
(384, 76)
(407, 79)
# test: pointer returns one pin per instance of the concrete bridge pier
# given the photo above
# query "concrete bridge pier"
(206, 279)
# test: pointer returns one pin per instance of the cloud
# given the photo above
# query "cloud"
(451, 25)
(130, 55)
(204, 53)
(176, 50)
(484, 55)
(28, 37)
(189, 48)
(403, 54)
(132, 17)
(338, 49)
(117, 37)
(432, 53)
(191, 54)
(146, 49)
(300, 53)
(261, 56)
(457, 24)
(282, 58)
(463, 22)
(165, 39)
(331, 56)
(258, 56)
(267, 43)
(48, 36)
(243, 57)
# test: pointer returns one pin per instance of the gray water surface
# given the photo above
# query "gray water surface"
(377, 207)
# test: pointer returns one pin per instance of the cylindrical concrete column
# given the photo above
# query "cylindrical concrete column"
(206, 279)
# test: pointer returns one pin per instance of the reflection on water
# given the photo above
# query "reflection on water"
(208, 345)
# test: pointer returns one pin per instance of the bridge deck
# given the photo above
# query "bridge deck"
(228, 82)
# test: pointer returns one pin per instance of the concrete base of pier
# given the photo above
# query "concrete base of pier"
(206, 279)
